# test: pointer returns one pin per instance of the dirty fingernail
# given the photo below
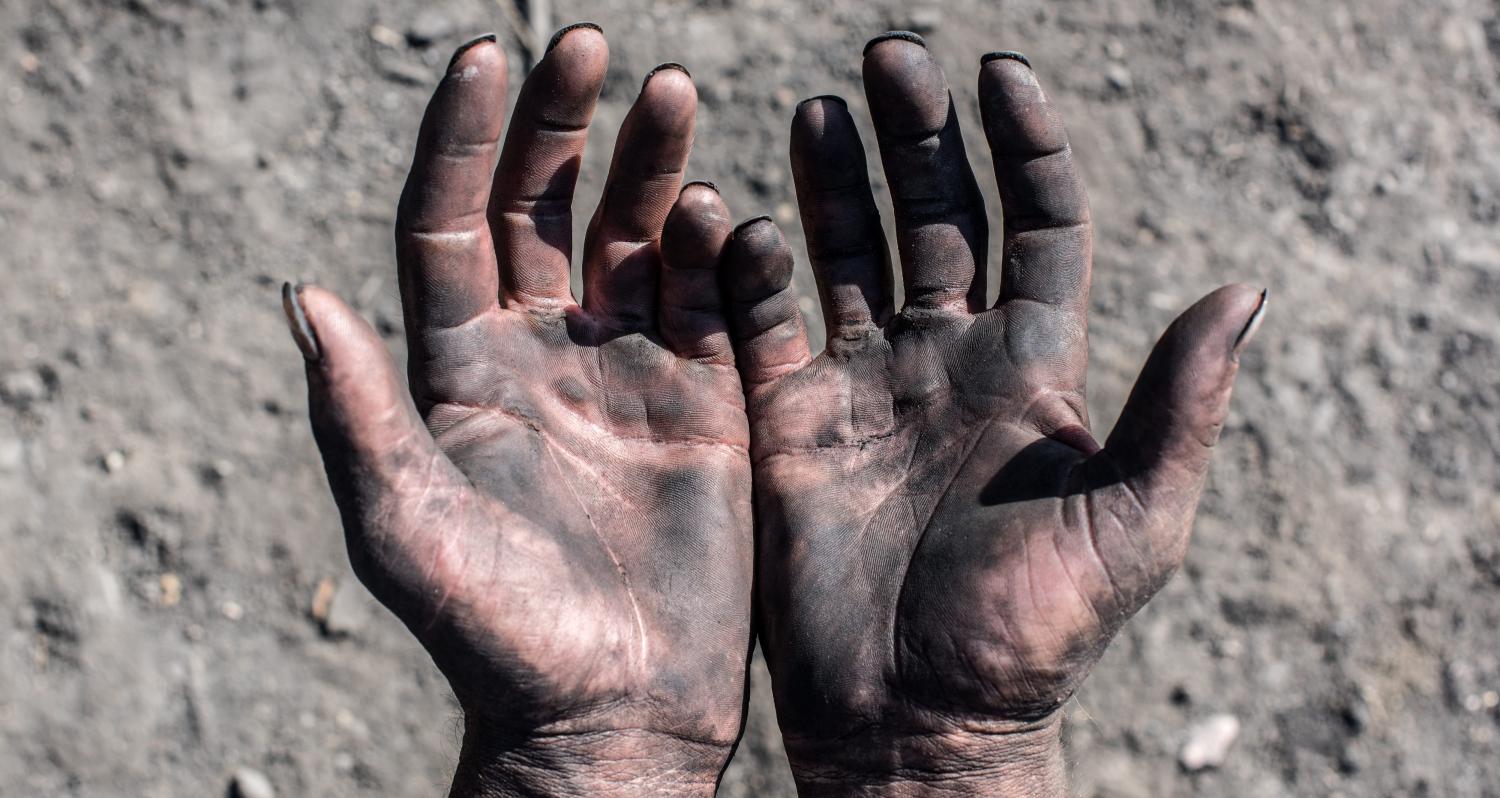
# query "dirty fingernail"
(1251, 325)
(903, 35)
(708, 184)
(660, 67)
(558, 37)
(1010, 55)
(296, 320)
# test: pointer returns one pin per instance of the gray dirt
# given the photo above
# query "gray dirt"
(177, 603)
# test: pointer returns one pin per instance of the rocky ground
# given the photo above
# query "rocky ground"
(177, 603)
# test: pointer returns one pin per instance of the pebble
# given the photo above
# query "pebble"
(348, 611)
(250, 783)
(1208, 742)
(1118, 77)
(23, 388)
(113, 461)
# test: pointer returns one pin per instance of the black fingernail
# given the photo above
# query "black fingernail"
(903, 35)
(1251, 325)
(660, 67)
(296, 319)
(829, 97)
(739, 228)
(1011, 55)
(557, 37)
(708, 184)
(469, 45)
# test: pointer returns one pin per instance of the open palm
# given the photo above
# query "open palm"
(945, 550)
(560, 510)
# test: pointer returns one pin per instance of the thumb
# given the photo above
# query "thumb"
(1162, 443)
(374, 444)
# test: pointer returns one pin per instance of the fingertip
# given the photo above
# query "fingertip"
(669, 85)
(701, 196)
(906, 88)
(563, 32)
(697, 226)
(815, 115)
(583, 49)
(479, 51)
(760, 262)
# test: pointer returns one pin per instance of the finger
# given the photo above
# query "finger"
(844, 239)
(363, 418)
(692, 248)
(770, 340)
(1048, 247)
(621, 256)
(940, 225)
(531, 203)
(443, 249)
(1160, 446)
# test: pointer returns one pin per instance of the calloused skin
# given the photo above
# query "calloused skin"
(559, 509)
(944, 550)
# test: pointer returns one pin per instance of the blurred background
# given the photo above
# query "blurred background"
(177, 602)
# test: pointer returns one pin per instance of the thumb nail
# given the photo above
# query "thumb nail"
(1251, 325)
(296, 319)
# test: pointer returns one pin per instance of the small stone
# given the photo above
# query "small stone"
(381, 34)
(29, 62)
(23, 388)
(1118, 77)
(323, 598)
(348, 611)
(1208, 742)
(113, 461)
(171, 589)
(232, 610)
(249, 783)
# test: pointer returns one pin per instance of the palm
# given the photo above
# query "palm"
(945, 550)
(580, 446)
(954, 500)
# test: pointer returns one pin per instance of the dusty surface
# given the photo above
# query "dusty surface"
(166, 527)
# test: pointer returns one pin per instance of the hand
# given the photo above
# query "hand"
(944, 550)
(568, 533)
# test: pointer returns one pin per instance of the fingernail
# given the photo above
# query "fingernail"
(296, 319)
(1251, 326)
(708, 184)
(660, 67)
(830, 97)
(557, 37)
(903, 35)
(748, 222)
(1011, 55)
(469, 45)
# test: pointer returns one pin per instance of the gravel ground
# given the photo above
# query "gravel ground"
(177, 602)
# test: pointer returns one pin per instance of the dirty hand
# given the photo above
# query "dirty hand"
(944, 550)
(560, 508)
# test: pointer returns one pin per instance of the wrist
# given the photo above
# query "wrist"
(1014, 761)
(620, 762)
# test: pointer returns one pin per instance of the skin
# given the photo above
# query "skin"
(559, 508)
(944, 550)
